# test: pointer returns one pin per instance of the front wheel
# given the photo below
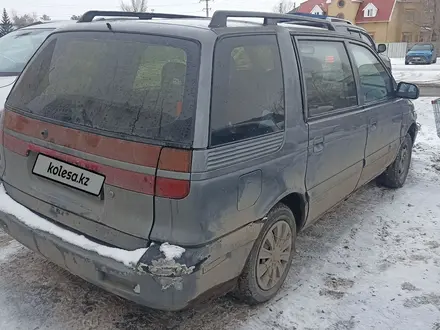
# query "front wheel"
(395, 175)
(270, 259)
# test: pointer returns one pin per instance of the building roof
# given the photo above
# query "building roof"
(307, 6)
(384, 11)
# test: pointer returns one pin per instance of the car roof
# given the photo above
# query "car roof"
(48, 25)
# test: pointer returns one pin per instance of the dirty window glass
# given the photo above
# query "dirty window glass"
(132, 86)
(248, 90)
(328, 75)
(376, 84)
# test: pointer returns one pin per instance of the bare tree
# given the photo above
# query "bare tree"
(284, 7)
(23, 20)
(135, 6)
(45, 18)
(430, 20)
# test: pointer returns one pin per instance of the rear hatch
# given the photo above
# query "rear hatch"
(98, 125)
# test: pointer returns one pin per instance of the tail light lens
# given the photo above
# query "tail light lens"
(173, 163)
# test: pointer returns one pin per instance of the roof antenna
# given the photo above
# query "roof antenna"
(109, 26)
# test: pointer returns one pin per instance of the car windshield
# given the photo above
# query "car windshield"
(17, 47)
(421, 47)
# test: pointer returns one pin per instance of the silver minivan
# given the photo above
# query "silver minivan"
(169, 158)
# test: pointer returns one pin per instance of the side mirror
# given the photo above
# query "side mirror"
(407, 91)
(381, 48)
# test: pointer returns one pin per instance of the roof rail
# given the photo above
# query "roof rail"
(220, 18)
(90, 15)
(339, 20)
(333, 19)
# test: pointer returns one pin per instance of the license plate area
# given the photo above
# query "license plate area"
(68, 174)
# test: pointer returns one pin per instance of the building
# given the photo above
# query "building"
(385, 20)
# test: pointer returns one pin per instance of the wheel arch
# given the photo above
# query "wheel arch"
(412, 131)
(298, 204)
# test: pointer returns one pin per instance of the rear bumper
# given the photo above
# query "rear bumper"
(154, 281)
(419, 60)
(104, 272)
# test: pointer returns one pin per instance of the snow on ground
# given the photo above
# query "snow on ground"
(372, 263)
(421, 74)
(29, 218)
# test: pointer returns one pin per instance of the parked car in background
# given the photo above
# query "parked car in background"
(166, 159)
(16, 48)
(425, 53)
(345, 26)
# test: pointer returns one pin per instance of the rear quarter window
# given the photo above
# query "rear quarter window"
(248, 89)
(133, 86)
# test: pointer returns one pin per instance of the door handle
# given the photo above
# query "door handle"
(373, 125)
(318, 144)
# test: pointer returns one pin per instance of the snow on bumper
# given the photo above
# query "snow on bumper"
(30, 219)
(160, 276)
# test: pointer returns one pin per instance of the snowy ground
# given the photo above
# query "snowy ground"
(372, 263)
(421, 74)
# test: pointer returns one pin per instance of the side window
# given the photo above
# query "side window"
(329, 78)
(247, 89)
(376, 84)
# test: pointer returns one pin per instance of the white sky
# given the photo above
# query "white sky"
(62, 9)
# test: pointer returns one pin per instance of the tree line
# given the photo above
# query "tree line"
(10, 22)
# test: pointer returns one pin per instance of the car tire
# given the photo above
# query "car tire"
(406, 63)
(395, 175)
(270, 258)
(435, 60)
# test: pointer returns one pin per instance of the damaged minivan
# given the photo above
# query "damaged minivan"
(170, 157)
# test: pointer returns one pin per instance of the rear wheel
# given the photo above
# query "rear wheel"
(395, 175)
(270, 259)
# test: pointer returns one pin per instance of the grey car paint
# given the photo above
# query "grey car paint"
(310, 167)
(6, 84)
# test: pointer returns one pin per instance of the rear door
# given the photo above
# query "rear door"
(385, 112)
(337, 124)
(86, 125)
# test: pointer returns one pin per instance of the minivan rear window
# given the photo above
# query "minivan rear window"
(130, 85)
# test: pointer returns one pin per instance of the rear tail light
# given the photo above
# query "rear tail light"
(175, 160)
(172, 188)
(173, 163)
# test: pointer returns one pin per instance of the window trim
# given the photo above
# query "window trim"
(412, 12)
(333, 113)
(356, 70)
(240, 35)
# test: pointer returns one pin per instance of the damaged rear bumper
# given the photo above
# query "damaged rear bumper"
(154, 280)
(134, 283)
